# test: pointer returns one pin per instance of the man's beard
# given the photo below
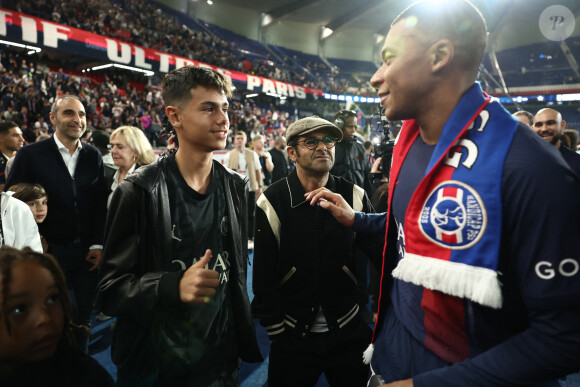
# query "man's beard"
(555, 136)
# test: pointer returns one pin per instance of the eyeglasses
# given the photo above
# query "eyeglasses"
(311, 143)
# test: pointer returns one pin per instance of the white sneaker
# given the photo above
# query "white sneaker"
(103, 317)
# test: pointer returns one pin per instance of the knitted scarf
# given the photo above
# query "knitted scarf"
(453, 222)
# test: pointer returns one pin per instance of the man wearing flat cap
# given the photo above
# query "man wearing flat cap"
(304, 271)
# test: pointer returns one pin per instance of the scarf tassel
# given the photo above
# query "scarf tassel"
(478, 284)
(368, 354)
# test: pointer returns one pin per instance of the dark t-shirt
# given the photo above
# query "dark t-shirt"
(67, 367)
(538, 271)
(205, 341)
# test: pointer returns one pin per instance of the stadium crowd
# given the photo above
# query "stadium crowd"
(28, 90)
(167, 248)
(144, 24)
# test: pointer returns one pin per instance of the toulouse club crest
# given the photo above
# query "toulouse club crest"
(453, 216)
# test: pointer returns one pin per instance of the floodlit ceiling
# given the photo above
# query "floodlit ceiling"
(511, 23)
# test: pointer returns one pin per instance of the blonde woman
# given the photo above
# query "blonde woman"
(130, 149)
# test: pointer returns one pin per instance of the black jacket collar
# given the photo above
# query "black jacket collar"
(297, 191)
(148, 175)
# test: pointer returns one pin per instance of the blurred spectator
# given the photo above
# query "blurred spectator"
(524, 117)
(279, 159)
(11, 140)
(130, 150)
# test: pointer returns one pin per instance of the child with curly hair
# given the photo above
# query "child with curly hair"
(37, 346)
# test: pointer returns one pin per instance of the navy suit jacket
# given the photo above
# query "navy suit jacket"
(76, 207)
(572, 158)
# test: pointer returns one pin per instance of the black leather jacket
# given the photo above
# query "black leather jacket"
(134, 288)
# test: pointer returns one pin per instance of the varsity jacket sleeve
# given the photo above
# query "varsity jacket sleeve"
(128, 287)
(266, 304)
(541, 255)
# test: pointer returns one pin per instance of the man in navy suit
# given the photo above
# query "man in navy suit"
(73, 176)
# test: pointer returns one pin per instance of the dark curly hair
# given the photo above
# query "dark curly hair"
(10, 255)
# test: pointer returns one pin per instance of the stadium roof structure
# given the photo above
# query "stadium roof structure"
(512, 24)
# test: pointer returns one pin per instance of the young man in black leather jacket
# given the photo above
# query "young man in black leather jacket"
(174, 266)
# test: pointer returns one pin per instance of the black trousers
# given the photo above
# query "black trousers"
(300, 362)
(251, 213)
(81, 283)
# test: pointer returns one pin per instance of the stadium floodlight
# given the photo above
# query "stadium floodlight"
(265, 19)
(101, 67)
(251, 95)
(209, 2)
(148, 73)
(326, 32)
(33, 49)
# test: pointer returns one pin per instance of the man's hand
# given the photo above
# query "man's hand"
(198, 283)
(376, 165)
(94, 256)
(334, 203)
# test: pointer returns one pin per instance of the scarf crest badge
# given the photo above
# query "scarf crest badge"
(453, 221)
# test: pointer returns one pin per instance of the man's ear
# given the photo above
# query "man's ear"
(442, 53)
(563, 126)
(52, 118)
(291, 153)
(172, 113)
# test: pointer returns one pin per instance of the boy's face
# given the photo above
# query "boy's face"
(35, 314)
(39, 208)
(201, 123)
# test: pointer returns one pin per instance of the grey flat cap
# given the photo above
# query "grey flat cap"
(311, 124)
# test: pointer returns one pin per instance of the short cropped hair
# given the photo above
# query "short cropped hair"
(177, 85)
(5, 126)
(54, 107)
(457, 20)
(241, 133)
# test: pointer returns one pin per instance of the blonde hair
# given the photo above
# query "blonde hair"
(137, 142)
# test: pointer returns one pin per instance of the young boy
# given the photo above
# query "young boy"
(35, 196)
(174, 269)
